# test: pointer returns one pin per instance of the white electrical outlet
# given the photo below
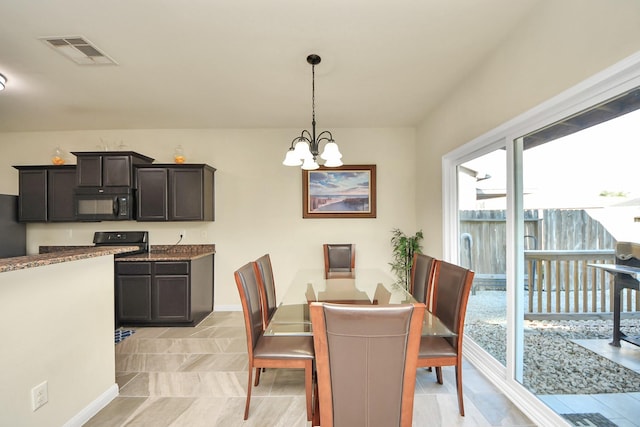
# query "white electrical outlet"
(183, 234)
(39, 395)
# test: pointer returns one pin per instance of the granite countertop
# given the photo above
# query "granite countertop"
(172, 253)
(65, 254)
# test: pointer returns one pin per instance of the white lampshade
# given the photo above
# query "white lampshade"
(331, 152)
(302, 151)
(291, 159)
(333, 163)
(310, 164)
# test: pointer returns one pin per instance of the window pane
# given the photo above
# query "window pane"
(482, 216)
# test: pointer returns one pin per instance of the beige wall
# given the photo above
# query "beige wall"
(56, 326)
(559, 45)
(258, 200)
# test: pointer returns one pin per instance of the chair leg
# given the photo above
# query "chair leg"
(439, 374)
(308, 385)
(257, 381)
(459, 386)
(246, 406)
(316, 407)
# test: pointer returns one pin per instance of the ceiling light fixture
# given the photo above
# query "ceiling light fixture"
(3, 82)
(305, 148)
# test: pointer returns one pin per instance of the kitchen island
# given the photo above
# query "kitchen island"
(57, 327)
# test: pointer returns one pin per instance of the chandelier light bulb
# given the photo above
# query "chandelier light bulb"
(331, 152)
(302, 150)
(333, 163)
(291, 159)
(310, 164)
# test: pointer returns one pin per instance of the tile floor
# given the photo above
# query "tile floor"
(191, 377)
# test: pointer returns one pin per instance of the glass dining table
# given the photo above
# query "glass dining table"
(367, 286)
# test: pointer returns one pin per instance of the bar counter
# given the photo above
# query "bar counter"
(64, 254)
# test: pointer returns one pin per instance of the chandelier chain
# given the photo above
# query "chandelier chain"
(313, 96)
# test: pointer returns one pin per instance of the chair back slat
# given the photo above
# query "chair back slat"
(422, 274)
(339, 258)
(247, 284)
(267, 284)
(452, 285)
(366, 359)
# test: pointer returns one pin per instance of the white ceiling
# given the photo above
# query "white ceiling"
(242, 63)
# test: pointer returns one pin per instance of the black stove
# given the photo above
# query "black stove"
(123, 238)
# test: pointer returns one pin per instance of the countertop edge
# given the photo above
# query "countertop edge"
(167, 256)
(39, 260)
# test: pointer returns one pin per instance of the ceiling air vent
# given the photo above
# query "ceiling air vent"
(78, 49)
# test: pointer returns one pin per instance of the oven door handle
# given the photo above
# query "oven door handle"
(116, 206)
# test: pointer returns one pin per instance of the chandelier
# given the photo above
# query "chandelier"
(304, 149)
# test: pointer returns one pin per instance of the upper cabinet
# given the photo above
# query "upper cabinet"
(46, 193)
(159, 192)
(172, 192)
(107, 169)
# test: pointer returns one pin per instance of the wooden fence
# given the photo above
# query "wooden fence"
(559, 246)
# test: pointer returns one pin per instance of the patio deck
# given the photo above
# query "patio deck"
(586, 340)
(622, 409)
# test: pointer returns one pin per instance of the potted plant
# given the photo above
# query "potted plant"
(403, 248)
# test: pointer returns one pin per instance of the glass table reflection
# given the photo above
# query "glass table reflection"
(367, 287)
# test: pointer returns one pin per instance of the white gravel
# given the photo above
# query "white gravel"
(553, 364)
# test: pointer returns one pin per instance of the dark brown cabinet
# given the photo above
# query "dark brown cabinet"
(107, 169)
(46, 193)
(175, 192)
(133, 292)
(164, 292)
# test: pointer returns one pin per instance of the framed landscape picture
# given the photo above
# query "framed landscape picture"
(347, 191)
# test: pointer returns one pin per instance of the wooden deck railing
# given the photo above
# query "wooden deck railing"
(562, 282)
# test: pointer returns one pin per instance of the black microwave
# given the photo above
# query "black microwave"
(104, 204)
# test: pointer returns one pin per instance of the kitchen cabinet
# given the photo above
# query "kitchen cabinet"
(167, 192)
(46, 193)
(164, 293)
(107, 169)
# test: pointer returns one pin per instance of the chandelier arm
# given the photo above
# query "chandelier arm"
(306, 135)
(323, 136)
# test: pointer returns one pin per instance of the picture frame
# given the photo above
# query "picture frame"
(348, 191)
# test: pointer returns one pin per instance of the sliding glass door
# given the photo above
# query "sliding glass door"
(533, 215)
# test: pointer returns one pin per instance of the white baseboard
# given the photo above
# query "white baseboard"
(94, 407)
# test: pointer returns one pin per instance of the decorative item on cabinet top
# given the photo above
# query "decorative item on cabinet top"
(58, 156)
(178, 155)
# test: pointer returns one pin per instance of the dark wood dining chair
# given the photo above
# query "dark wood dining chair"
(423, 269)
(267, 287)
(366, 362)
(295, 352)
(339, 260)
(451, 287)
